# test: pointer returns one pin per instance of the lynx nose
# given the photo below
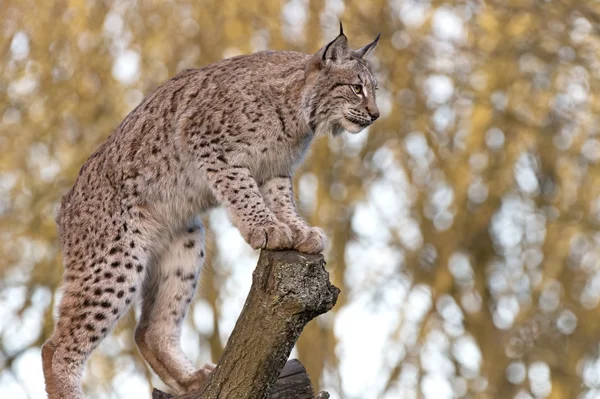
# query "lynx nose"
(374, 115)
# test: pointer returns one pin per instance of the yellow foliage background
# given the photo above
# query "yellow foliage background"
(463, 224)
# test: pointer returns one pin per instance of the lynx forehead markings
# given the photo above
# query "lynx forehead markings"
(228, 134)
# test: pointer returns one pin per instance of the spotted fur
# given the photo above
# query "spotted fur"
(228, 134)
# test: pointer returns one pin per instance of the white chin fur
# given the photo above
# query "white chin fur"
(351, 127)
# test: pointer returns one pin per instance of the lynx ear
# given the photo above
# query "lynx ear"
(368, 49)
(336, 49)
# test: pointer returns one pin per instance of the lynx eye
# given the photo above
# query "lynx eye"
(357, 89)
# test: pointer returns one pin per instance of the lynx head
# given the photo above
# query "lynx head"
(340, 88)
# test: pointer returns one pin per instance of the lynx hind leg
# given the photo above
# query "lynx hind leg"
(167, 295)
(48, 350)
(97, 291)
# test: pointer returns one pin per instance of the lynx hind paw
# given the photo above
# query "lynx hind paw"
(197, 379)
(273, 236)
(313, 241)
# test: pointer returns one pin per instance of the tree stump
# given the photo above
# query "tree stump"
(288, 290)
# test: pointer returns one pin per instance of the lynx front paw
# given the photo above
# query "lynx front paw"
(312, 241)
(271, 236)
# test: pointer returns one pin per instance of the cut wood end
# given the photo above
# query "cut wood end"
(158, 394)
(293, 256)
(298, 281)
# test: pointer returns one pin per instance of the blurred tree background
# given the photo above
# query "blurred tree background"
(463, 224)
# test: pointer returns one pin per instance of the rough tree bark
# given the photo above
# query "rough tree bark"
(288, 290)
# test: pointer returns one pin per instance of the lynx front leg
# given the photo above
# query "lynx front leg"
(235, 188)
(279, 196)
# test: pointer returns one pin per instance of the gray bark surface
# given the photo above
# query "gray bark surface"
(288, 290)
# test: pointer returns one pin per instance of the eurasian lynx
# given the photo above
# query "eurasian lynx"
(228, 134)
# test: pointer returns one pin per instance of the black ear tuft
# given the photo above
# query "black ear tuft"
(365, 51)
(336, 49)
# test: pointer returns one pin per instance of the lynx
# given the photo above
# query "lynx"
(228, 134)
